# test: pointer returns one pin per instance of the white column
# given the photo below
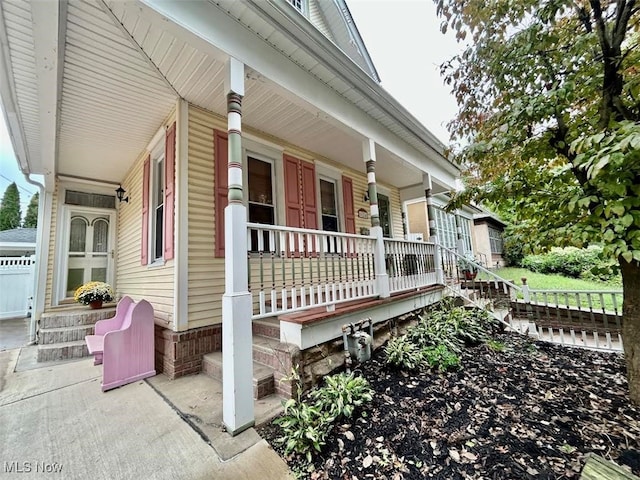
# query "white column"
(382, 278)
(237, 357)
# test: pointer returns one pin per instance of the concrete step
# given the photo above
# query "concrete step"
(263, 381)
(62, 351)
(48, 336)
(267, 327)
(77, 316)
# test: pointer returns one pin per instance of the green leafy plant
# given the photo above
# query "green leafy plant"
(496, 346)
(441, 358)
(341, 393)
(402, 352)
(305, 427)
(306, 424)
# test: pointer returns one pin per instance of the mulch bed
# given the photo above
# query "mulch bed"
(533, 411)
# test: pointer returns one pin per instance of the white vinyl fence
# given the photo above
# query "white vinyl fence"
(16, 285)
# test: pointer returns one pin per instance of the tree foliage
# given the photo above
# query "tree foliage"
(10, 209)
(31, 217)
(549, 117)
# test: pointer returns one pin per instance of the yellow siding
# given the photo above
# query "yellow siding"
(206, 273)
(48, 300)
(153, 283)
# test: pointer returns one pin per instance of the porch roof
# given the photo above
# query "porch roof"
(117, 69)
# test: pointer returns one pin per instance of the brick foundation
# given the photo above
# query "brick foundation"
(180, 353)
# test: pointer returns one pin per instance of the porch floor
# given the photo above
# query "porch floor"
(318, 314)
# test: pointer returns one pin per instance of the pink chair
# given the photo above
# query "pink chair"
(95, 342)
(127, 352)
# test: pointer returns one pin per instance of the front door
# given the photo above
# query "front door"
(89, 248)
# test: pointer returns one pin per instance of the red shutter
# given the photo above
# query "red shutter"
(309, 195)
(349, 209)
(169, 191)
(144, 244)
(293, 205)
(221, 185)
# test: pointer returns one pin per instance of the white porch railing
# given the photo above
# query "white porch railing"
(583, 318)
(293, 269)
(16, 285)
(409, 264)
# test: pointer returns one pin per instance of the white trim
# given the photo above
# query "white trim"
(267, 155)
(202, 24)
(157, 138)
(181, 223)
(62, 242)
(330, 174)
(156, 153)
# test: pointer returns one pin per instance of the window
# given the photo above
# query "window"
(329, 205)
(261, 204)
(298, 5)
(157, 203)
(384, 212)
(495, 239)
(447, 231)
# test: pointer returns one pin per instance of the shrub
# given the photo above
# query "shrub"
(573, 262)
(402, 352)
(305, 425)
(341, 393)
(441, 357)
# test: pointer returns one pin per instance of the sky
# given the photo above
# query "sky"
(404, 41)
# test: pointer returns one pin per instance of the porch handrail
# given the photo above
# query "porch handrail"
(292, 269)
(410, 264)
(581, 320)
(280, 228)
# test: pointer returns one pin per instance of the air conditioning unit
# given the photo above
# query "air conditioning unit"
(416, 237)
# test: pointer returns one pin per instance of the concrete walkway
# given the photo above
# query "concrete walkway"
(55, 418)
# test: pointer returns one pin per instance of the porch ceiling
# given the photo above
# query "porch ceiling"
(124, 68)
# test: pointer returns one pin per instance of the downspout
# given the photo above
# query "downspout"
(42, 257)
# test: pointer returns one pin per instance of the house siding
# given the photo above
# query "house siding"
(317, 19)
(206, 273)
(153, 283)
(48, 300)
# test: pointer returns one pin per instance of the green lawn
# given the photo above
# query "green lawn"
(541, 281)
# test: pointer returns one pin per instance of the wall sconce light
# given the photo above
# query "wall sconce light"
(365, 198)
(120, 194)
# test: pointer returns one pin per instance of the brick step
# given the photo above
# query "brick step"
(263, 381)
(62, 351)
(268, 327)
(71, 318)
(48, 336)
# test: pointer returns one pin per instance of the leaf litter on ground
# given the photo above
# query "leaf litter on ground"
(533, 411)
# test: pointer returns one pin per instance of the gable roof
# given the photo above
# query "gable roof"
(18, 235)
(346, 35)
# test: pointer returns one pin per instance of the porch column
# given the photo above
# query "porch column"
(237, 361)
(433, 231)
(382, 278)
(459, 242)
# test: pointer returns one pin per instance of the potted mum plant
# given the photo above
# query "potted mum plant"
(94, 294)
(468, 266)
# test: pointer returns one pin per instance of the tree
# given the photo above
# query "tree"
(549, 119)
(31, 217)
(10, 209)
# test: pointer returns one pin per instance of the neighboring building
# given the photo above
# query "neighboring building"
(487, 231)
(152, 97)
(18, 242)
